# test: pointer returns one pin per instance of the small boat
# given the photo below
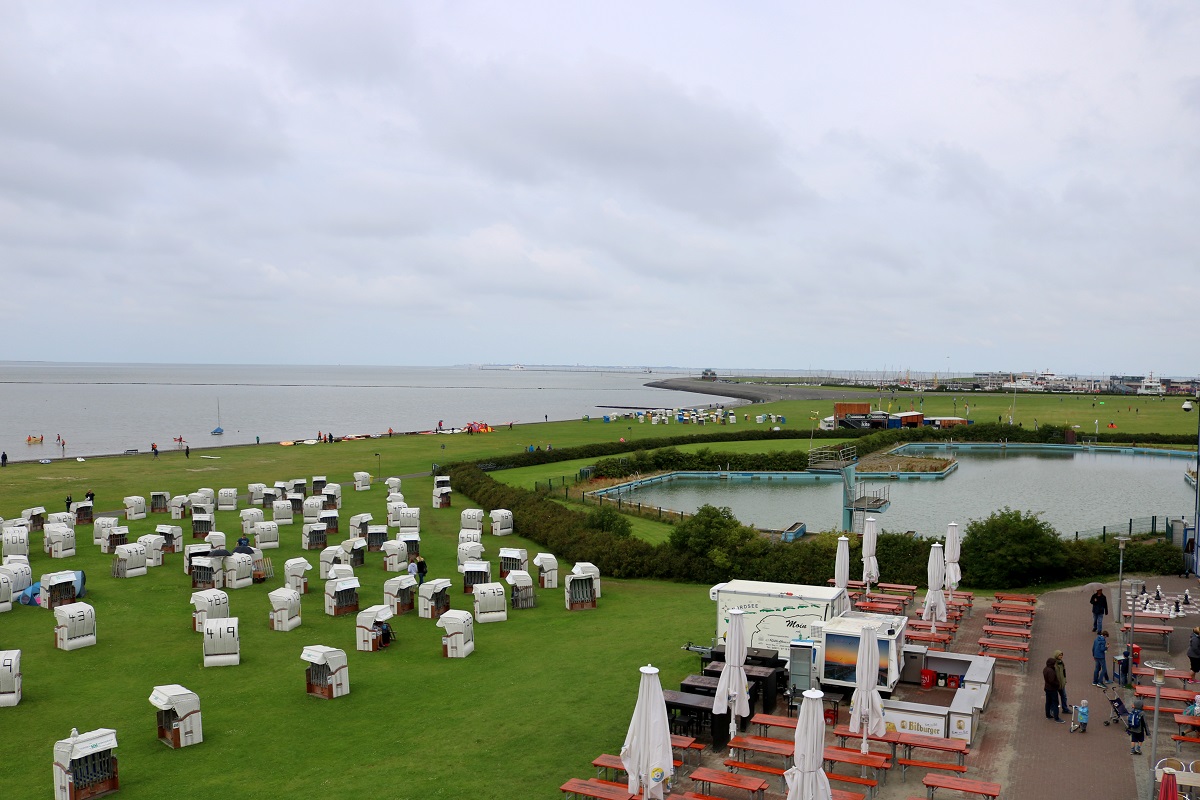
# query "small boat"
(217, 431)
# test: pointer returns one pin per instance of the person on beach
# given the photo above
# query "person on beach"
(1050, 679)
(422, 570)
(1100, 653)
(187, 451)
(1099, 610)
(154, 449)
(413, 568)
(1193, 652)
(68, 504)
(4, 459)
(91, 497)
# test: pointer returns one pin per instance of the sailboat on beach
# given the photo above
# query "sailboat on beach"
(217, 431)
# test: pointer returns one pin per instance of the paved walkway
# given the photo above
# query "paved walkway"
(1030, 756)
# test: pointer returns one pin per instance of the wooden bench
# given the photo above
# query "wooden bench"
(577, 787)
(605, 761)
(927, 636)
(881, 608)
(706, 776)
(934, 781)
(131, 452)
(870, 783)
(1008, 619)
(925, 625)
(1016, 658)
(1003, 644)
(906, 589)
(1014, 608)
(733, 766)
(996, 630)
(905, 763)
(1005, 597)
(1180, 739)
(951, 613)
(764, 721)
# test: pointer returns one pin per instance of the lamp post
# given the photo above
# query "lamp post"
(378, 469)
(1135, 587)
(1187, 406)
(1160, 677)
(1120, 615)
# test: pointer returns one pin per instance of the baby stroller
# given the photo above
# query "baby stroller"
(1120, 713)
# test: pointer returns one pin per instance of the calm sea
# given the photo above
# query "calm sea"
(109, 408)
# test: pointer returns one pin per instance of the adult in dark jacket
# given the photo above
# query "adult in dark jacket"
(1193, 652)
(1050, 677)
(1060, 672)
(1099, 609)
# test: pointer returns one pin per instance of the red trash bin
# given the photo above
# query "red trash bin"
(928, 678)
(830, 717)
(1136, 651)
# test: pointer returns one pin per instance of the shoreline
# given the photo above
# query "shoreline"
(753, 392)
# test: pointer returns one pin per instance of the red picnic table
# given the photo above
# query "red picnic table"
(706, 776)
(1164, 631)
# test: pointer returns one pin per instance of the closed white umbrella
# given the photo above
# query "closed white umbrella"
(841, 564)
(806, 778)
(867, 715)
(733, 690)
(646, 753)
(935, 600)
(870, 565)
(953, 546)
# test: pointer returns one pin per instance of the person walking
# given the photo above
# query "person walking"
(1137, 727)
(412, 568)
(1060, 672)
(187, 451)
(68, 504)
(422, 569)
(4, 459)
(1099, 610)
(1050, 679)
(1193, 652)
(1100, 653)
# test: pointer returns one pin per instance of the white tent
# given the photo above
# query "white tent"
(870, 565)
(806, 780)
(935, 600)
(841, 564)
(733, 690)
(953, 546)
(646, 753)
(866, 715)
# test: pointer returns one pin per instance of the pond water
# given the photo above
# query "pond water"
(1073, 491)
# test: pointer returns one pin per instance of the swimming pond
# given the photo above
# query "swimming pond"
(1074, 489)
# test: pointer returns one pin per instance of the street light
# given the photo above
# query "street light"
(1120, 615)
(378, 469)
(1160, 677)
(1187, 406)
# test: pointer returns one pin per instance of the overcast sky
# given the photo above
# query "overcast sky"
(929, 186)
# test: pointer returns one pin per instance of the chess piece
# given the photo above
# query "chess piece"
(1158, 594)
(1177, 606)
(1144, 589)
(1187, 597)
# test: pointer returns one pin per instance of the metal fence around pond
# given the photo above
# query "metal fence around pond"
(1157, 524)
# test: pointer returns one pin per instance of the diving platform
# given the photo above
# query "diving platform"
(831, 459)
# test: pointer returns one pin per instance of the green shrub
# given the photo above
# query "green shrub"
(1010, 549)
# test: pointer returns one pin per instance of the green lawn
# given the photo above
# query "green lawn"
(544, 693)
